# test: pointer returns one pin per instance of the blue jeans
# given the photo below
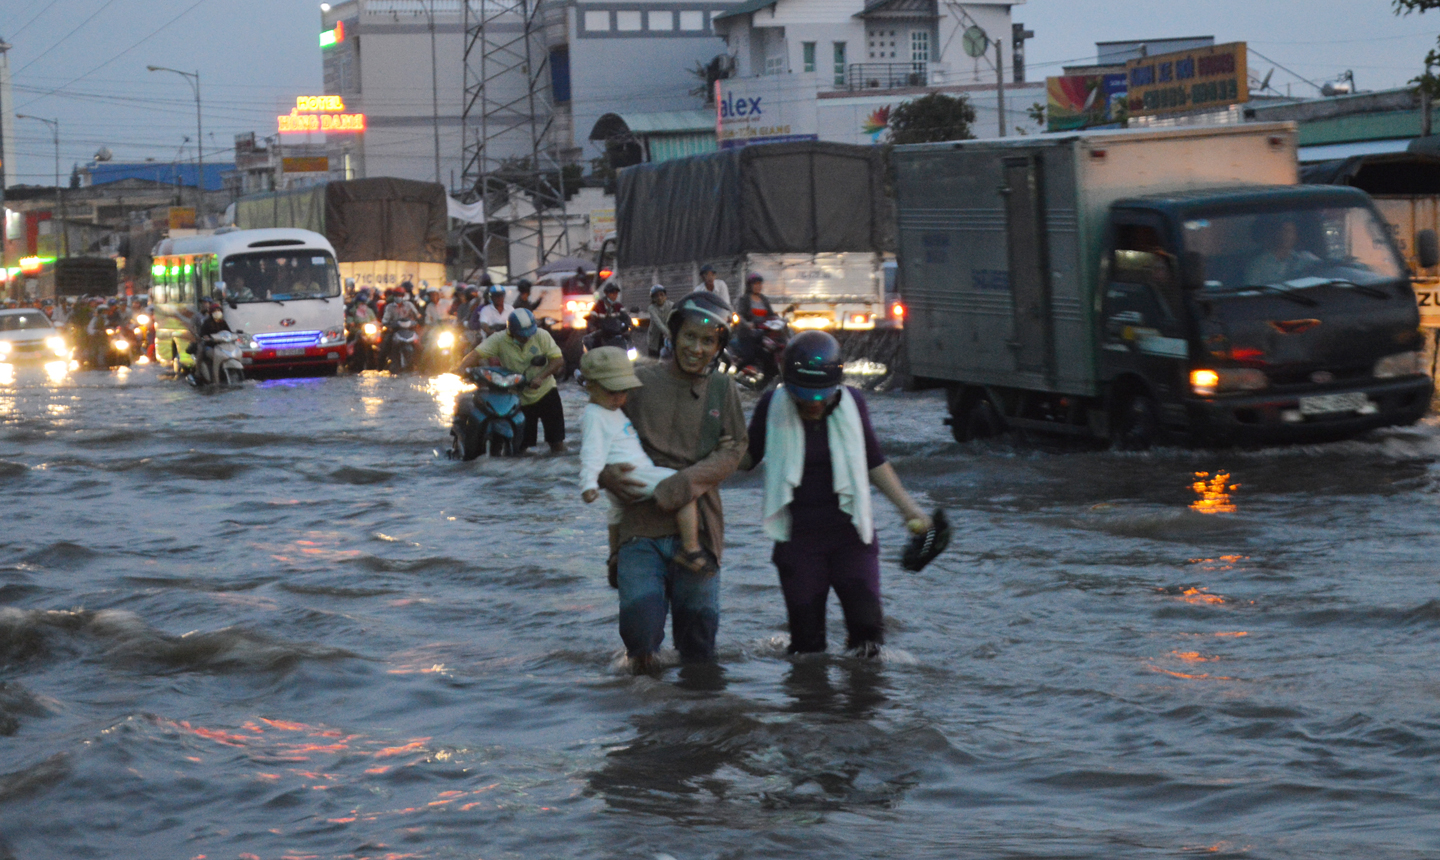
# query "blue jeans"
(649, 585)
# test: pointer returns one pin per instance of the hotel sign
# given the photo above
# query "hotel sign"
(321, 114)
(1200, 79)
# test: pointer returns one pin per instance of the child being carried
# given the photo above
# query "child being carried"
(607, 438)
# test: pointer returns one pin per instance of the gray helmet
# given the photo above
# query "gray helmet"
(706, 307)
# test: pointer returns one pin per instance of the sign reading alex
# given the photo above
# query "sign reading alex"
(1198, 79)
(321, 113)
(768, 109)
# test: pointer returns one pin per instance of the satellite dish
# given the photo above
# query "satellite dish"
(975, 41)
(1265, 84)
(104, 154)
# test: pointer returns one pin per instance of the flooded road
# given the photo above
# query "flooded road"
(273, 622)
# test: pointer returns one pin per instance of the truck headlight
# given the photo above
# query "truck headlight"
(1400, 364)
(1206, 382)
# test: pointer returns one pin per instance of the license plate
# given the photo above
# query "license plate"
(1324, 404)
(299, 350)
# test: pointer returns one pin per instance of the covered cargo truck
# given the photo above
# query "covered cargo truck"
(813, 218)
(385, 231)
(1133, 284)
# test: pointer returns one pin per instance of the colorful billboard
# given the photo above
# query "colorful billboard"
(1084, 101)
(1198, 79)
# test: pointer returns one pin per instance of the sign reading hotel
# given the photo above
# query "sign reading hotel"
(767, 109)
(323, 114)
(1199, 79)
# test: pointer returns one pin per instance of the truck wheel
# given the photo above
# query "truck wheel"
(1136, 424)
(981, 421)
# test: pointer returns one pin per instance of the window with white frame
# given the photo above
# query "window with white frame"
(839, 49)
(920, 46)
(628, 21)
(597, 21)
(692, 20)
(808, 49)
(774, 65)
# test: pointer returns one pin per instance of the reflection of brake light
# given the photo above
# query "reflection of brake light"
(605, 274)
(897, 311)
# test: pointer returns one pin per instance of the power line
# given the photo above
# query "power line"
(78, 28)
(158, 31)
(26, 25)
(1278, 66)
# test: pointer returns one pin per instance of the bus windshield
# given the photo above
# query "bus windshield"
(274, 276)
(1293, 248)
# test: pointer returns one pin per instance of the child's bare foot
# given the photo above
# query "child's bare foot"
(697, 561)
(643, 664)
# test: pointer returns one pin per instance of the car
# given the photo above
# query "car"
(26, 334)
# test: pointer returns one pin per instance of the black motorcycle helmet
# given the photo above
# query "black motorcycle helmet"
(611, 287)
(812, 367)
(706, 307)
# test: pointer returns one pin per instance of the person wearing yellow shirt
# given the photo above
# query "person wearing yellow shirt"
(523, 347)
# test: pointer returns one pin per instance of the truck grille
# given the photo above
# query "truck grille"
(287, 339)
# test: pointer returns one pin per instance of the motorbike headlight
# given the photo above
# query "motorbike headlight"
(1205, 382)
(56, 344)
(143, 319)
(370, 329)
(445, 340)
(632, 353)
(120, 344)
(1400, 364)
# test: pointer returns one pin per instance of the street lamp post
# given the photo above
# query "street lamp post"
(193, 78)
(64, 249)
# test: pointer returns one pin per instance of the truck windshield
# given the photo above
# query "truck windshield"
(1293, 248)
(280, 276)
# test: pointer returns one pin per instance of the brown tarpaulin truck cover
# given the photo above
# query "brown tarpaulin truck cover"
(365, 219)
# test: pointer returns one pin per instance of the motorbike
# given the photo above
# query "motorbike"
(119, 346)
(365, 347)
(404, 347)
(143, 328)
(221, 363)
(489, 420)
(610, 331)
(443, 344)
(754, 359)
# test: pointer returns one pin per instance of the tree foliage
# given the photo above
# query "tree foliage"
(931, 119)
(1428, 80)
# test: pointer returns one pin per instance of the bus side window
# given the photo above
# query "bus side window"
(202, 283)
(158, 291)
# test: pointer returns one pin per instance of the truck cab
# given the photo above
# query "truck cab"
(1257, 314)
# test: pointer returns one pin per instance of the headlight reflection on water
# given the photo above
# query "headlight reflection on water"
(444, 388)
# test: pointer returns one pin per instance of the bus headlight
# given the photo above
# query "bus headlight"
(1206, 382)
(1400, 364)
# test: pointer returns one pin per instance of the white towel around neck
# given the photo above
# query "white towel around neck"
(785, 463)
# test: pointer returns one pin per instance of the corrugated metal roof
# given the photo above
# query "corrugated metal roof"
(1332, 151)
(670, 120)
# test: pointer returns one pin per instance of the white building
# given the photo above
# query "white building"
(603, 57)
(834, 69)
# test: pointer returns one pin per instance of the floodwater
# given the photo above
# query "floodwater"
(273, 622)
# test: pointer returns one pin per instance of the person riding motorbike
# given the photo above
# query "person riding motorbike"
(753, 309)
(660, 309)
(608, 320)
(214, 322)
(522, 298)
(492, 317)
(397, 309)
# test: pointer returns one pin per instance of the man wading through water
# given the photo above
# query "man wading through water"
(690, 420)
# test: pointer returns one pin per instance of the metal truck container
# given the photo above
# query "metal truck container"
(1106, 283)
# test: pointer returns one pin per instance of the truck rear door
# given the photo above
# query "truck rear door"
(1029, 268)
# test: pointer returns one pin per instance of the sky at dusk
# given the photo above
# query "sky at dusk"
(83, 61)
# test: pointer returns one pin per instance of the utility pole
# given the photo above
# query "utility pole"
(435, 91)
(4, 218)
(193, 78)
(63, 248)
(1018, 35)
(1000, 83)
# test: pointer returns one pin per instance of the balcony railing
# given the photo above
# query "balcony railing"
(886, 76)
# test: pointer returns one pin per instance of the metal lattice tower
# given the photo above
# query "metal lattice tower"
(509, 157)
